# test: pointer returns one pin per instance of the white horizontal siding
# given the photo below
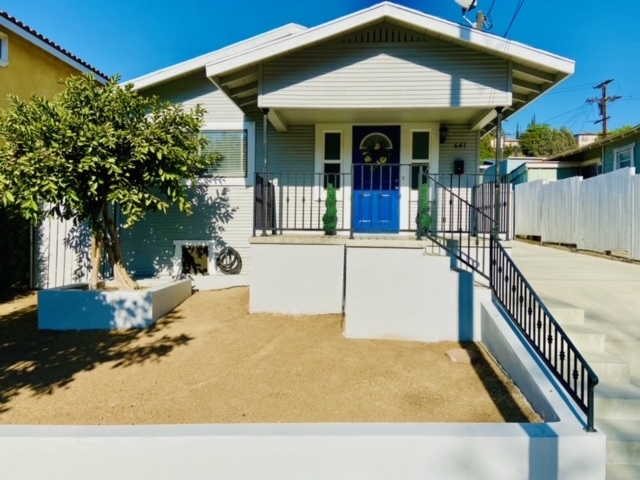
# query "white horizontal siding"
(431, 74)
(223, 216)
(461, 144)
(196, 89)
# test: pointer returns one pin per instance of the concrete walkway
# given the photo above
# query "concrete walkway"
(607, 334)
(608, 291)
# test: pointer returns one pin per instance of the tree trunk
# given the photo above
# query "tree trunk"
(96, 253)
(121, 276)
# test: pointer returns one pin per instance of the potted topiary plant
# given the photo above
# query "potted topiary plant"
(330, 218)
(423, 220)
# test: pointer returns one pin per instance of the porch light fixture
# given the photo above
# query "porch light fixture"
(443, 133)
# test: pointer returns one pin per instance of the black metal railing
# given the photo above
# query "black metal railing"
(289, 201)
(527, 311)
(453, 224)
(296, 201)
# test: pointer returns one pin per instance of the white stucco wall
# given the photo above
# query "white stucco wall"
(401, 293)
(296, 279)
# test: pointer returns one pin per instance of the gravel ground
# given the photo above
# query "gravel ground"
(209, 361)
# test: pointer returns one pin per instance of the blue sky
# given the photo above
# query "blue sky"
(135, 37)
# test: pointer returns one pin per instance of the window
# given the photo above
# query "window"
(232, 146)
(420, 142)
(332, 159)
(4, 50)
(623, 156)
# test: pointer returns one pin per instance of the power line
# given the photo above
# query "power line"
(602, 104)
(515, 15)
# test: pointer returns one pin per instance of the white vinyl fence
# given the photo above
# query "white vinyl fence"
(597, 214)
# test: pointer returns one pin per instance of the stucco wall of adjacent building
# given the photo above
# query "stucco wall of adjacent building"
(30, 70)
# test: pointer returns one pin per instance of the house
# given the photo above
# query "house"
(585, 138)
(529, 169)
(32, 63)
(605, 155)
(365, 102)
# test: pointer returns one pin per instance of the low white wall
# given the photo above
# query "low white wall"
(296, 278)
(72, 308)
(377, 451)
(401, 293)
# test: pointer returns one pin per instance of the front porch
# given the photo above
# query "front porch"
(383, 200)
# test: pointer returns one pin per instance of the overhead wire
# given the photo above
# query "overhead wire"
(488, 19)
(515, 15)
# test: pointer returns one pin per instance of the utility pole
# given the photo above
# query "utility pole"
(602, 104)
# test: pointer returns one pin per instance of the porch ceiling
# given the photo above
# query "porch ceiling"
(387, 115)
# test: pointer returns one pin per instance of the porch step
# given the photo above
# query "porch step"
(617, 401)
(623, 472)
(585, 338)
(623, 440)
(568, 316)
(609, 368)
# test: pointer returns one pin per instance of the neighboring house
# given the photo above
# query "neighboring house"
(31, 63)
(605, 155)
(530, 169)
(585, 138)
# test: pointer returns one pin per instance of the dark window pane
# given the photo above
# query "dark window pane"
(420, 146)
(415, 174)
(332, 174)
(332, 146)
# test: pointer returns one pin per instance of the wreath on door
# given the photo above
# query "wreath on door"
(376, 149)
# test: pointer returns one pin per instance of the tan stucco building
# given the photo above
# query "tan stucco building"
(31, 63)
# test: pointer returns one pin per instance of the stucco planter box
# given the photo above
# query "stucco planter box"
(73, 307)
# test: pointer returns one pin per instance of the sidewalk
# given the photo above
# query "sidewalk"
(608, 291)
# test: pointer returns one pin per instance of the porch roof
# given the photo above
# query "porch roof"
(534, 71)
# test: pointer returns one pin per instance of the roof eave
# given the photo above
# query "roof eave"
(199, 63)
(50, 47)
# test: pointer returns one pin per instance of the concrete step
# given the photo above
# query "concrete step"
(623, 472)
(609, 368)
(585, 338)
(623, 440)
(617, 401)
(568, 316)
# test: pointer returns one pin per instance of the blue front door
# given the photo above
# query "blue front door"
(376, 179)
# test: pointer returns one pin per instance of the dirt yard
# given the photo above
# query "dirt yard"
(211, 362)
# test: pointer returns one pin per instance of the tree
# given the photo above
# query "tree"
(486, 148)
(617, 131)
(92, 147)
(541, 140)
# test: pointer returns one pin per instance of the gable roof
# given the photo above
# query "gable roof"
(199, 63)
(16, 26)
(534, 71)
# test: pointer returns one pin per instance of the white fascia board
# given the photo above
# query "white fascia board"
(427, 24)
(13, 28)
(197, 63)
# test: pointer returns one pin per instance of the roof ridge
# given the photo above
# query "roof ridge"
(52, 44)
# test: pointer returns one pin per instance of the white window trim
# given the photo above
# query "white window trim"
(616, 154)
(249, 180)
(4, 50)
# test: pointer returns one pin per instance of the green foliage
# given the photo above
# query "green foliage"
(14, 262)
(330, 218)
(542, 140)
(486, 150)
(92, 146)
(424, 220)
(617, 131)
